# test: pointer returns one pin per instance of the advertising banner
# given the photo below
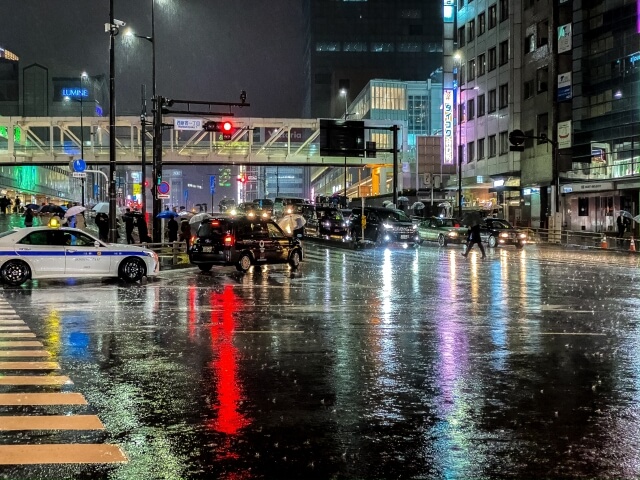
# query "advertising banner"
(448, 126)
(564, 38)
(564, 134)
(564, 87)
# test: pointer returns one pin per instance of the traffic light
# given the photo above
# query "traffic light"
(242, 178)
(225, 127)
(146, 183)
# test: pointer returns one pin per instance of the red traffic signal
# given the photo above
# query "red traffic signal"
(242, 178)
(225, 127)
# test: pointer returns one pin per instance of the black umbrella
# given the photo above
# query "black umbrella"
(469, 219)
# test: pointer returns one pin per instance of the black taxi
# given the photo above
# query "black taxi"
(243, 241)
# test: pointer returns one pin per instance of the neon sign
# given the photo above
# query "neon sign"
(447, 123)
(75, 92)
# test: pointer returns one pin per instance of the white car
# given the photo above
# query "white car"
(50, 252)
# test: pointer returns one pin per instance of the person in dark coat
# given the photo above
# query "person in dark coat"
(16, 205)
(129, 224)
(143, 230)
(28, 218)
(185, 232)
(172, 227)
(102, 222)
(4, 203)
(621, 226)
(474, 238)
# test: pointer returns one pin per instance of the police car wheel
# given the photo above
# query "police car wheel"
(294, 259)
(132, 270)
(15, 272)
(244, 264)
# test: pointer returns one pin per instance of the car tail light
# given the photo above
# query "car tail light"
(229, 240)
(215, 223)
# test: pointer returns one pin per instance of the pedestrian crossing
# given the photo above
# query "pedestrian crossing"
(24, 367)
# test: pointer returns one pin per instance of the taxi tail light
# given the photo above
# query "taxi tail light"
(229, 240)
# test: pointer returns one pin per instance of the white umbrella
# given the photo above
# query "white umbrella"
(198, 217)
(103, 207)
(291, 222)
(74, 211)
(417, 205)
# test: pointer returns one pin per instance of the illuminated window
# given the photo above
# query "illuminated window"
(328, 47)
(381, 47)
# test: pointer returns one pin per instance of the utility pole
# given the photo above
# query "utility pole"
(113, 31)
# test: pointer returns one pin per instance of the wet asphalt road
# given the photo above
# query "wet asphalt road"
(376, 364)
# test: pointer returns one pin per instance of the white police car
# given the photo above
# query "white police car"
(52, 252)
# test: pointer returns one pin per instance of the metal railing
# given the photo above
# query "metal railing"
(579, 238)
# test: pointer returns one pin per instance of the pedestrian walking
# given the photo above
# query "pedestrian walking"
(28, 218)
(129, 224)
(102, 222)
(621, 225)
(185, 232)
(4, 203)
(474, 238)
(16, 205)
(143, 230)
(172, 228)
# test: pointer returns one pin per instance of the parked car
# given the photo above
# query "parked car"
(383, 226)
(442, 230)
(53, 252)
(498, 232)
(326, 222)
(243, 241)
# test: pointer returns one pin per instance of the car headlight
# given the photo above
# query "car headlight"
(326, 224)
(415, 227)
(386, 225)
(522, 235)
(504, 235)
(453, 234)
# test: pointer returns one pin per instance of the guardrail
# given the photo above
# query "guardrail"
(579, 238)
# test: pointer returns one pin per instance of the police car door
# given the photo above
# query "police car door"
(83, 257)
(43, 252)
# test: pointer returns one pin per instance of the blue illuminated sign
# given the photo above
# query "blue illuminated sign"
(448, 11)
(75, 92)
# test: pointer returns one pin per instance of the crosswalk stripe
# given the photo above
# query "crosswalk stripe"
(21, 343)
(29, 366)
(12, 322)
(13, 328)
(50, 422)
(17, 335)
(24, 353)
(35, 380)
(42, 399)
(60, 453)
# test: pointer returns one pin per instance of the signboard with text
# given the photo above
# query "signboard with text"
(564, 38)
(564, 87)
(194, 124)
(447, 126)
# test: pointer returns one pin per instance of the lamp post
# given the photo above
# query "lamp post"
(343, 93)
(113, 30)
(82, 78)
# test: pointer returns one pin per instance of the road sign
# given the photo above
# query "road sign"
(79, 165)
(187, 123)
(212, 184)
(517, 137)
(163, 189)
(79, 174)
(160, 195)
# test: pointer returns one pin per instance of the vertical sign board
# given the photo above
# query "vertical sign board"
(447, 124)
(564, 87)
(212, 184)
(448, 11)
(564, 38)
(564, 134)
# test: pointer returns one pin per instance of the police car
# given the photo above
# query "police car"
(53, 252)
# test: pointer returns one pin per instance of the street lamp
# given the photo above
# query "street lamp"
(343, 93)
(143, 114)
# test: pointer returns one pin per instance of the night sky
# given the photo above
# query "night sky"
(205, 49)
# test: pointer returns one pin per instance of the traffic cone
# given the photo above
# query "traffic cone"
(632, 245)
(603, 242)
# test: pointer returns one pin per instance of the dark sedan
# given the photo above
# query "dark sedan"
(326, 222)
(498, 232)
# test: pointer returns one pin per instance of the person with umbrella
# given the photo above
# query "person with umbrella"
(172, 228)
(143, 230)
(129, 224)
(473, 238)
(102, 222)
(185, 232)
(28, 218)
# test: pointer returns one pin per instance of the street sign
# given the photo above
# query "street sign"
(79, 165)
(212, 184)
(79, 174)
(517, 137)
(160, 195)
(163, 189)
(187, 123)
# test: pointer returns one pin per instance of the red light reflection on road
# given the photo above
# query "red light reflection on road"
(225, 364)
(193, 320)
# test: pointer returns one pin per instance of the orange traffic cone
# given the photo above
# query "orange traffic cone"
(632, 245)
(603, 242)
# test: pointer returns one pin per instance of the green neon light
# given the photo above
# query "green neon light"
(17, 133)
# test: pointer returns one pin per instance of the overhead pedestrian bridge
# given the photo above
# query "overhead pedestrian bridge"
(255, 141)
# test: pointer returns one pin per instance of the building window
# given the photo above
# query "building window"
(504, 142)
(542, 126)
(492, 100)
(471, 152)
(482, 64)
(480, 151)
(461, 118)
(504, 95)
(542, 79)
(530, 44)
(493, 63)
(461, 153)
(482, 23)
(460, 4)
(328, 47)
(528, 89)
(504, 10)
(492, 146)
(504, 52)
(493, 17)
(471, 109)
(471, 69)
(543, 33)
(461, 79)
(409, 47)
(461, 36)
(471, 30)
(481, 105)
(354, 47)
(382, 47)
